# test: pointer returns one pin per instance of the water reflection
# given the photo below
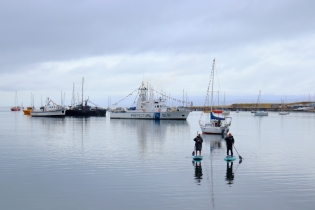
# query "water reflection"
(230, 175)
(198, 171)
(49, 120)
(79, 128)
(214, 140)
(152, 132)
(229, 172)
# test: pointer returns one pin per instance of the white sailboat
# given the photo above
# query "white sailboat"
(225, 111)
(216, 125)
(260, 112)
(282, 112)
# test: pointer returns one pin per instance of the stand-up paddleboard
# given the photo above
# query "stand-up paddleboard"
(197, 157)
(230, 158)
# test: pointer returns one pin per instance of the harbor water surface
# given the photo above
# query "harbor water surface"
(98, 163)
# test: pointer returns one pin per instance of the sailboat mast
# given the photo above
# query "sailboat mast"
(257, 105)
(183, 97)
(15, 100)
(212, 83)
(82, 89)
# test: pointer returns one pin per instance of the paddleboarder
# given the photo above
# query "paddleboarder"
(198, 144)
(229, 144)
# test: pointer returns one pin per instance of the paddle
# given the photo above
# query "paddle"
(240, 157)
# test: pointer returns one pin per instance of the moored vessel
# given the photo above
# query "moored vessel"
(84, 110)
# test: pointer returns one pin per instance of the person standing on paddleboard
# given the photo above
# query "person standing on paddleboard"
(229, 144)
(198, 144)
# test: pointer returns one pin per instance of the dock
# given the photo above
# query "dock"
(253, 106)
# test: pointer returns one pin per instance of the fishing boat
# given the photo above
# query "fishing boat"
(15, 107)
(216, 125)
(260, 112)
(149, 107)
(28, 110)
(83, 109)
(51, 109)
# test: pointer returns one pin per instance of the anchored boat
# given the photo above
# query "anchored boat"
(216, 125)
(84, 110)
(16, 108)
(260, 112)
(150, 108)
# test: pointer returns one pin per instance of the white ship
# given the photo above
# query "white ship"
(51, 109)
(150, 108)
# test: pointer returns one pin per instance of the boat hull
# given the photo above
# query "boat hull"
(261, 114)
(213, 130)
(27, 112)
(283, 113)
(56, 113)
(304, 108)
(176, 115)
(86, 113)
(225, 112)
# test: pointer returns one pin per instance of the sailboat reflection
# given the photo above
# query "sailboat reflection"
(198, 171)
(214, 140)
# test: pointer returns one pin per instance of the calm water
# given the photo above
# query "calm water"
(98, 163)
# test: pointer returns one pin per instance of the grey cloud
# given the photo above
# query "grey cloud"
(40, 31)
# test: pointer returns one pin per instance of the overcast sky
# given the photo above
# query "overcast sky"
(46, 46)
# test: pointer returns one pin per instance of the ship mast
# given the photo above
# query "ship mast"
(73, 97)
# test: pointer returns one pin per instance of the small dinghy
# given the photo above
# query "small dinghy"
(197, 157)
(230, 158)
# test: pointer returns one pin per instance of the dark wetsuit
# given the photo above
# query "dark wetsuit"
(198, 143)
(229, 144)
